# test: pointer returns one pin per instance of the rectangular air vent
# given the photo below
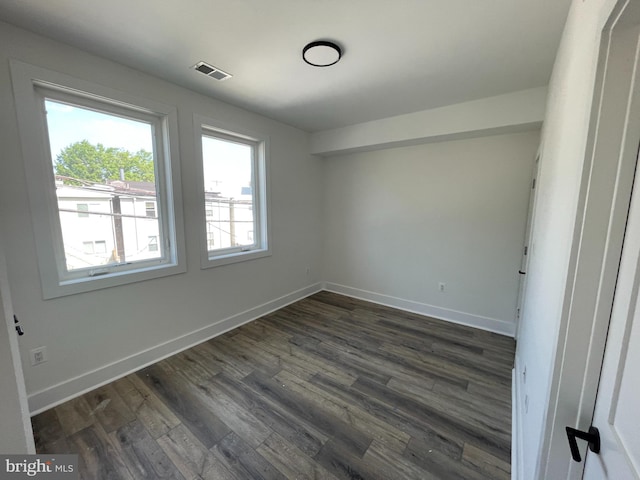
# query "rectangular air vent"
(211, 71)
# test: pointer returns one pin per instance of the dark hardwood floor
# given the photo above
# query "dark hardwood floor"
(327, 388)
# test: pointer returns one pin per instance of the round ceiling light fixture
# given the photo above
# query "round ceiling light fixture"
(321, 53)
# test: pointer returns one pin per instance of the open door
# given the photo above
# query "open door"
(599, 344)
(524, 264)
(16, 435)
(618, 399)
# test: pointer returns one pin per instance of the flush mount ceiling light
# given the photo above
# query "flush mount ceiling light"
(321, 53)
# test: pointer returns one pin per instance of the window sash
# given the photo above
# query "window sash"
(254, 149)
(259, 247)
(156, 123)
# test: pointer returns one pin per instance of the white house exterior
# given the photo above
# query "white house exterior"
(91, 220)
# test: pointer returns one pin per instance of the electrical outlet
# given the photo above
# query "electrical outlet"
(441, 286)
(38, 355)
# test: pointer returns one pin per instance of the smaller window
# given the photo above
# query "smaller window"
(150, 208)
(83, 210)
(100, 247)
(88, 248)
(153, 244)
(234, 196)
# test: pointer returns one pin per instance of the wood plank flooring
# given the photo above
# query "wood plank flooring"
(327, 388)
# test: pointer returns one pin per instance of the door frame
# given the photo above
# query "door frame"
(16, 435)
(609, 167)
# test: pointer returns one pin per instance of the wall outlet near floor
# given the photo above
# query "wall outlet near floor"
(441, 286)
(38, 355)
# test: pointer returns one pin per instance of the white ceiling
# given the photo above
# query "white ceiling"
(400, 56)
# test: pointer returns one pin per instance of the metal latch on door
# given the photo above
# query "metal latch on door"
(592, 437)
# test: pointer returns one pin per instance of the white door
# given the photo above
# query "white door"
(524, 264)
(15, 425)
(617, 412)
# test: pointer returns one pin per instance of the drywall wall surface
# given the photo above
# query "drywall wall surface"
(86, 333)
(511, 112)
(564, 139)
(401, 221)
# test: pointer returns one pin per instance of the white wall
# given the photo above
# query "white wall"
(399, 221)
(511, 112)
(555, 241)
(93, 336)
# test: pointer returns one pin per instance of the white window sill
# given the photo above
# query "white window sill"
(235, 257)
(107, 280)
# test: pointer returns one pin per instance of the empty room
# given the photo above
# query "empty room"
(317, 239)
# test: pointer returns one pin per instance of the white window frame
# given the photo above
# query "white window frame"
(30, 85)
(262, 246)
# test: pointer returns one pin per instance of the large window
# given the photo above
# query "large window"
(234, 201)
(103, 170)
(107, 158)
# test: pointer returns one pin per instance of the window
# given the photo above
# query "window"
(98, 247)
(150, 209)
(234, 197)
(83, 208)
(88, 248)
(153, 244)
(117, 168)
(107, 168)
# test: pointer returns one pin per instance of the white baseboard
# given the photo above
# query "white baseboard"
(471, 320)
(50, 397)
(516, 426)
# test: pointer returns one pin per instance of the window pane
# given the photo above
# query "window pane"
(105, 181)
(100, 246)
(88, 247)
(229, 198)
(150, 208)
(153, 244)
(83, 208)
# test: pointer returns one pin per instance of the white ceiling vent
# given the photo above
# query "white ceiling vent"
(211, 71)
